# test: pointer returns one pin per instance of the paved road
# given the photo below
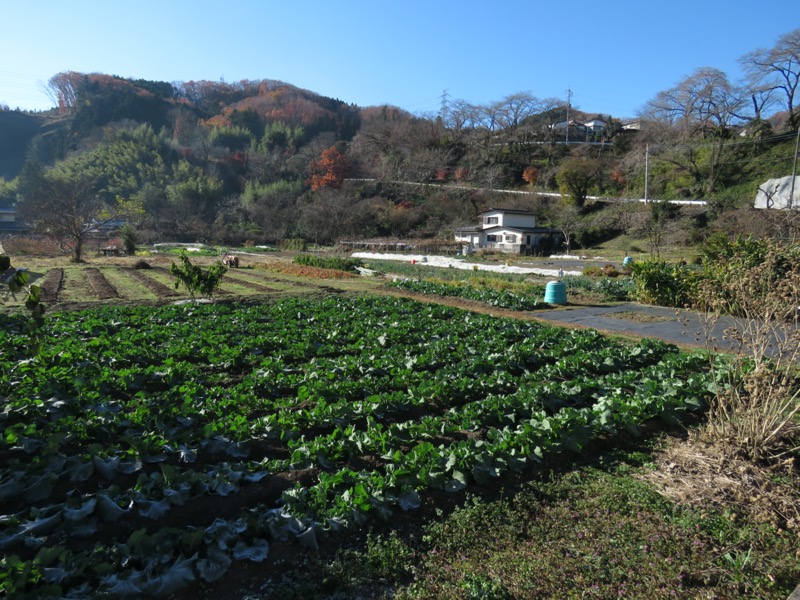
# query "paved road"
(678, 327)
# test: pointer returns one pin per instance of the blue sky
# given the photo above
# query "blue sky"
(614, 56)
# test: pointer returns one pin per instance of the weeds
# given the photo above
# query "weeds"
(756, 411)
(598, 533)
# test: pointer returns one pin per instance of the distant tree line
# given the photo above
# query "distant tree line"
(265, 161)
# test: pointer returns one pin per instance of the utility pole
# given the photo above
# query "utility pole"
(794, 170)
(569, 102)
(646, 170)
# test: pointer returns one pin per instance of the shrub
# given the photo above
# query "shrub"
(617, 288)
(130, 238)
(195, 279)
(610, 271)
(664, 284)
(293, 244)
(592, 271)
(328, 262)
(755, 412)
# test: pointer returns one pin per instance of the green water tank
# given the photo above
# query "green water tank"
(555, 292)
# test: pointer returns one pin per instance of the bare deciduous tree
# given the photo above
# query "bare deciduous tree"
(702, 106)
(776, 69)
(64, 203)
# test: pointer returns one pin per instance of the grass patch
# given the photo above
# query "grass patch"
(127, 288)
(76, 287)
(599, 531)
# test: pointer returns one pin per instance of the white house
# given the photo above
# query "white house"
(596, 126)
(579, 131)
(505, 230)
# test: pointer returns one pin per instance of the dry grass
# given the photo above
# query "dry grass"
(705, 477)
(757, 404)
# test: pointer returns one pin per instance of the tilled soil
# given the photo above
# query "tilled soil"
(51, 285)
(101, 286)
(158, 288)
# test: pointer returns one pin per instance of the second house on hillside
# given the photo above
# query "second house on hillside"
(507, 230)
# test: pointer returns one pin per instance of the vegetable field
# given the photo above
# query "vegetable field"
(148, 448)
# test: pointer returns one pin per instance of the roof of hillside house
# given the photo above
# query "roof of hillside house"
(514, 211)
(497, 228)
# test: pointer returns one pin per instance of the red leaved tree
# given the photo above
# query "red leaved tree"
(328, 171)
(530, 175)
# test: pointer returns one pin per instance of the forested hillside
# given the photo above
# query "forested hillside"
(18, 130)
(264, 160)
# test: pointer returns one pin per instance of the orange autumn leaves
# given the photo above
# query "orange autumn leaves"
(328, 171)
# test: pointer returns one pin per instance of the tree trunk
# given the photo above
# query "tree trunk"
(77, 250)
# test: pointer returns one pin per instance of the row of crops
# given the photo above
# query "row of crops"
(530, 299)
(147, 448)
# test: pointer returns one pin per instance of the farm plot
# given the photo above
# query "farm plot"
(147, 448)
(530, 299)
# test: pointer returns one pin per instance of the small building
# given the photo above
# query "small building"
(571, 129)
(506, 230)
(596, 126)
(8, 221)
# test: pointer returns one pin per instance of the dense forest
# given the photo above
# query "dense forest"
(265, 161)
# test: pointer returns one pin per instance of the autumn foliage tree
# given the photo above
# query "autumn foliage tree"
(530, 175)
(328, 171)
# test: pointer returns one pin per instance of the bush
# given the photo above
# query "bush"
(610, 271)
(592, 271)
(762, 264)
(195, 279)
(328, 262)
(293, 244)
(665, 284)
(755, 409)
(617, 288)
(130, 238)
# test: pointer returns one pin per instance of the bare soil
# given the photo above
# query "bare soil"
(102, 288)
(158, 288)
(51, 285)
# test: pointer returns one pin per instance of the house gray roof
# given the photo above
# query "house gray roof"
(517, 229)
(513, 211)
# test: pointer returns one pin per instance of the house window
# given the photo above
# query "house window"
(491, 220)
(492, 238)
(511, 239)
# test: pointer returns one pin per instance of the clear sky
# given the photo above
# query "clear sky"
(614, 56)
